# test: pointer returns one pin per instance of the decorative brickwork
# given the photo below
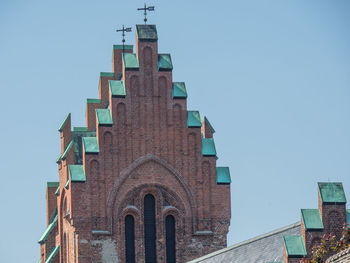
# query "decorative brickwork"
(143, 146)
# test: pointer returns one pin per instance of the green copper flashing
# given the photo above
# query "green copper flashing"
(332, 193)
(131, 61)
(59, 159)
(53, 254)
(223, 175)
(90, 145)
(93, 101)
(164, 62)
(107, 74)
(193, 119)
(57, 193)
(53, 184)
(104, 117)
(117, 88)
(48, 230)
(147, 33)
(66, 151)
(179, 90)
(208, 147)
(312, 219)
(208, 123)
(295, 246)
(76, 173)
(126, 47)
(80, 129)
(64, 123)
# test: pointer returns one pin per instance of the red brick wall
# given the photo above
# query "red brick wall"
(148, 149)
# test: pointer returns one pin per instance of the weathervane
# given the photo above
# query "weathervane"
(123, 30)
(145, 9)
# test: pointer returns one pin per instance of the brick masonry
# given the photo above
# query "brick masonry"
(148, 150)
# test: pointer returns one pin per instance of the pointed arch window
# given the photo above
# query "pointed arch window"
(170, 239)
(129, 239)
(150, 229)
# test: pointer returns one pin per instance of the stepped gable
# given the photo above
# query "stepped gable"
(139, 183)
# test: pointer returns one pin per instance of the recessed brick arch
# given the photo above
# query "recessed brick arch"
(150, 170)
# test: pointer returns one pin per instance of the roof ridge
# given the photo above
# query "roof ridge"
(248, 241)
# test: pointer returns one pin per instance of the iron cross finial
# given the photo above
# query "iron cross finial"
(145, 9)
(123, 30)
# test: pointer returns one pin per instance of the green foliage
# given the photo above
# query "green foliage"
(329, 246)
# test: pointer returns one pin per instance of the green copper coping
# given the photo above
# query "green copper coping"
(147, 32)
(64, 123)
(117, 88)
(312, 219)
(57, 191)
(104, 117)
(93, 101)
(48, 230)
(52, 255)
(66, 151)
(208, 147)
(294, 246)
(80, 129)
(53, 184)
(208, 123)
(179, 90)
(106, 74)
(77, 173)
(223, 175)
(164, 62)
(67, 185)
(348, 216)
(59, 159)
(126, 47)
(332, 192)
(131, 61)
(90, 145)
(193, 119)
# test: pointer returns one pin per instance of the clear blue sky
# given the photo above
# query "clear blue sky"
(272, 76)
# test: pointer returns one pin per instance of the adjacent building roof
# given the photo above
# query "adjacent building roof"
(261, 249)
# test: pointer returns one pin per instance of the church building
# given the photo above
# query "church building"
(139, 183)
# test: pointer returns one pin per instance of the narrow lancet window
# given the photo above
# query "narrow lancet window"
(170, 239)
(150, 229)
(129, 239)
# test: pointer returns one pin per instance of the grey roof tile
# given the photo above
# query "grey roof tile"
(261, 249)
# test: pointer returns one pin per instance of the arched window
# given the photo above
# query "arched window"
(129, 239)
(170, 239)
(150, 229)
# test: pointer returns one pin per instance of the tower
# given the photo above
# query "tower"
(139, 183)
